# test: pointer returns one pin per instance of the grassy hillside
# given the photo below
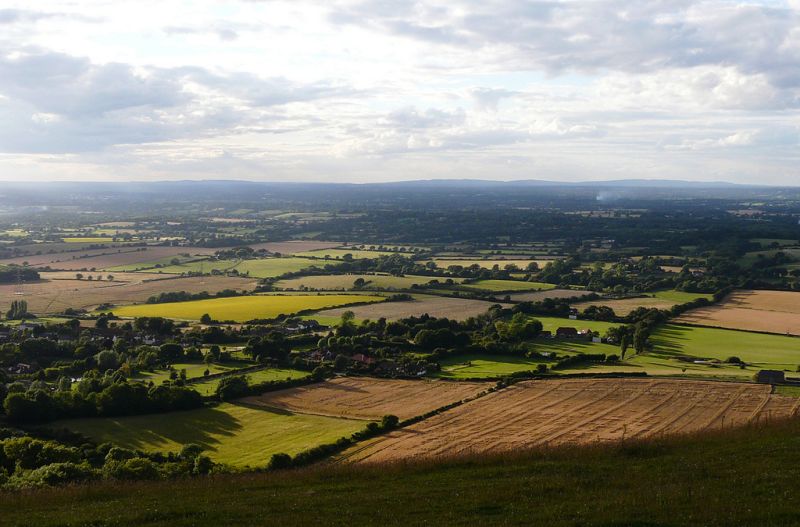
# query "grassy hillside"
(741, 477)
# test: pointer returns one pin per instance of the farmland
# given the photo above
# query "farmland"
(765, 351)
(114, 259)
(364, 398)
(657, 300)
(345, 282)
(230, 433)
(501, 263)
(768, 311)
(53, 296)
(508, 285)
(293, 247)
(339, 254)
(435, 306)
(577, 411)
(551, 293)
(208, 387)
(261, 268)
(244, 308)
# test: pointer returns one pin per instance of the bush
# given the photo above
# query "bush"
(54, 474)
(132, 469)
(279, 461)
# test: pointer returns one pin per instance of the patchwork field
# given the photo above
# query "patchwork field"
(260, 268)
(119, 259)
(244, 308)
(53, 296)
(658, 300)
(345, 281)
(368, 398)
(435, 306)
(577, 411)
(233, 434)
(769, 311)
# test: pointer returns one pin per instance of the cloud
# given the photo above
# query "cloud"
(53, 102)
(224, 31)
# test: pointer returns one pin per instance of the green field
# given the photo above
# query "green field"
(156, 265)
(233, 434)
(680, 297)
(261, 268)
(508, 285)
(339, 254)
(254, 377)
(193, 370)
(553, 323)
(243, 308)
(345, 282)
(764, 351)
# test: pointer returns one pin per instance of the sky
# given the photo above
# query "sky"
(389, 90)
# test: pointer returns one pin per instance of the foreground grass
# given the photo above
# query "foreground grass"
(243, 308)
(741, 477)
(233, 434)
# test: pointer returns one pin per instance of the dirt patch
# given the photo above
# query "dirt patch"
(368, 398)
(769, 311)
(435, 306)
(578, 411)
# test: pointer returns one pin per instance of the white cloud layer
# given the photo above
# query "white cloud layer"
(389, 90)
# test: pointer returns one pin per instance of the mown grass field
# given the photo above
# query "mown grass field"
(735, 477)
(89, 239)
(193, 370)
(657, 300)
(233, 434)
(473, 366)
(763, 350)
(244, 308)
(261, 268)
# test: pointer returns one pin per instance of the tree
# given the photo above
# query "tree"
(18, 311)
(206, 319)
(79, 276)
(233, 387)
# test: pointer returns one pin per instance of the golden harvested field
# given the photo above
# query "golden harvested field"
(577, 411)
(105, 258)
(435, 306)
(536, 296)
(769, 311)
(54, 296)
(294, 246)
(368, 398)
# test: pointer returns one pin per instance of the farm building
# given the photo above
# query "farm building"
(566, 332)
(770, 377)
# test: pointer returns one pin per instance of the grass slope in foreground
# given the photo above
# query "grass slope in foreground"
(232, 434)
(736, 477)
(243, 308)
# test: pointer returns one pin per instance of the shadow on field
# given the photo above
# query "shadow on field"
(194, 426)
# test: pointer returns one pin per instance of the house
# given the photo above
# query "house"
(567, 332)
(770, 377)
(363, 359)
